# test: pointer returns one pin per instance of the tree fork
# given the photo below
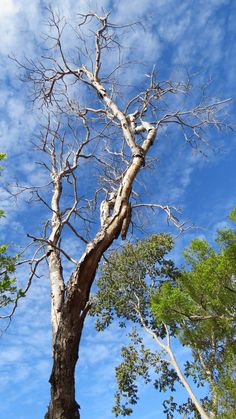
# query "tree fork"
(66, 347)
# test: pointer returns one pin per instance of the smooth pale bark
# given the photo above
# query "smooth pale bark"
(187, 387)
(174, 363)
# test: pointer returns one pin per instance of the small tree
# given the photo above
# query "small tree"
(125, 290)
(140, 286)
(8, 289)
(200, 307)
(95, 128)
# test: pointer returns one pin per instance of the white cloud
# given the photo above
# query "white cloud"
(8, 31)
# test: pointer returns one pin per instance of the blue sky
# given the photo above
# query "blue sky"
(196, 36)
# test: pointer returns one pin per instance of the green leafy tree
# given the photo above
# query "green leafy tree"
(8, 289)
(9, 293)
(199, 306)
(125, 289)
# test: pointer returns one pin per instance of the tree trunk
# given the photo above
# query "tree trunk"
(65, 355)
(67, 338)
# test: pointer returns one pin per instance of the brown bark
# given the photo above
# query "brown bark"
(65, 355)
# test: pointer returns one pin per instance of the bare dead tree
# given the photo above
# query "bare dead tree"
(94, 133)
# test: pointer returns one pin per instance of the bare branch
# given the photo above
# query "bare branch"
(170, 216)
(34, 266)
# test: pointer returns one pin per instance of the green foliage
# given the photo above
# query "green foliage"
(200, 307)
(8, 289)
(127, 281)
(2, 157)
(232, 215)
(130, 274)
(139, 363)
